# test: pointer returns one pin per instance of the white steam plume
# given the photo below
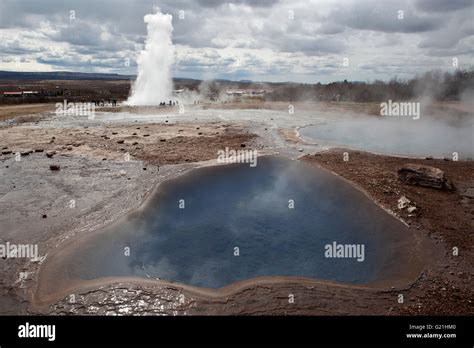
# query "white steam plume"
(153, 84)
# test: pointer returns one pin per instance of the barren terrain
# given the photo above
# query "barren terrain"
(111, 164)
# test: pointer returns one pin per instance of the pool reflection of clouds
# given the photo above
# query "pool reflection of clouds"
(238, 206)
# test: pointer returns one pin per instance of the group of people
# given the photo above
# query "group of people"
(170, 103)
(113, 102)
(102, 102)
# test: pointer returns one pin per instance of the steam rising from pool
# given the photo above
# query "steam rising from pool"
(217, 225)
(153, 84)
(428, 136)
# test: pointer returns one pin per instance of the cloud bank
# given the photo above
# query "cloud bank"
(298, 40)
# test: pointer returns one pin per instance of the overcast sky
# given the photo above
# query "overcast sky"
(265, 40)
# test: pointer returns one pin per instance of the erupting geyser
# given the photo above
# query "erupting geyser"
(153, 84)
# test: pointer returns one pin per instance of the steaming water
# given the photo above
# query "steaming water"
(397, 136)
(153, 84)
(239, 206)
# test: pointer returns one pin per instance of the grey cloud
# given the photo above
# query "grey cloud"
(255, 3)
(212, 31)
(442, 5)
(384, 17)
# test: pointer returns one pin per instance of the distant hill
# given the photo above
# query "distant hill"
(69, 75)
(61, 75)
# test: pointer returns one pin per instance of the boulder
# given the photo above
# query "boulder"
(426, 176)
(403, 202)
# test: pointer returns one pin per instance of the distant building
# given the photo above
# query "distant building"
(12, 94)
(19, 93)
(245, 92)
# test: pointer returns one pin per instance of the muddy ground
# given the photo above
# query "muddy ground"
(110, 165)
(106, 171)
(446, 217)
(443, 288)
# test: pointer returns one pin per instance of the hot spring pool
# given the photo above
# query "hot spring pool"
(237, 206)
(397, 136)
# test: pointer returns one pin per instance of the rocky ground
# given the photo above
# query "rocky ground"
(106, 170)
(109, 167)
(446, 217)
(443, 288)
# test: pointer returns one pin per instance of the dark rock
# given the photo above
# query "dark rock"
(426, 176)
(449, 185)
(39, 150)
(6, 152)
(54, 167)
(242, 145)
(50, 153)
(120, 141)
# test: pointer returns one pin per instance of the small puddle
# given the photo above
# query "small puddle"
(189, 230)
